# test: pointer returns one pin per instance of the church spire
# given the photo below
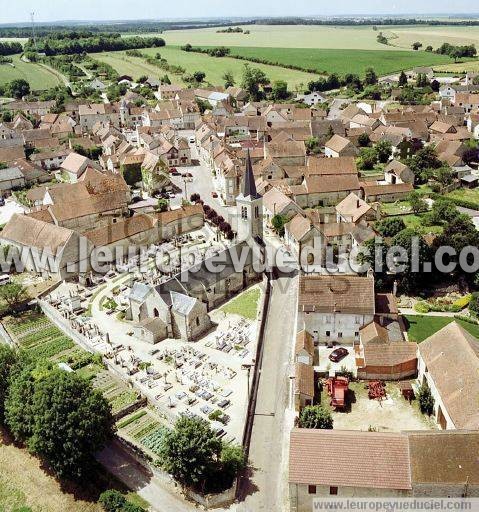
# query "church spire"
(249, 186)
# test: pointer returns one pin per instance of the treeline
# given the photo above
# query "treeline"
(7, 48)
(24, 30)
(218, 51)
(161, 63)
(90, 44)
(66, 64)
(364, 22)
(222, 51)
(457, 52)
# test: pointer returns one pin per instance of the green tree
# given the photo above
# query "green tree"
(402, 79)
(316, 416)
(416, 202)
(191, 452)
(278, 222)
(383, 151)
(114, 501)
(233, 460)
(312, 145)
(390, 226)
(18, 88)
(229, 79)
(370, 77)
(416, 46)
(423, 163)
(199, 76)
(364, 140)
(444, 175)
(13, 294)
(72, 421)
(425, 399)
(367, 159)
(280, 90)
(251, 81)
(442, 212)
(163, 205)
(8, 360)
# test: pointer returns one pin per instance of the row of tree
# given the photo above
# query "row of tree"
(52, 45)
(10, 48)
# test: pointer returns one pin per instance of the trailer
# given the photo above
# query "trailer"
(337, 389)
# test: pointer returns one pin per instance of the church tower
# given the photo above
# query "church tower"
(250, 207)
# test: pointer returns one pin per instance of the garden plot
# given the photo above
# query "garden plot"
(144, 429)
(39, 337)
(116, 392)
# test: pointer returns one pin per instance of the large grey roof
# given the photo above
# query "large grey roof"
(182, 303)
(10, 173)
(139, 292)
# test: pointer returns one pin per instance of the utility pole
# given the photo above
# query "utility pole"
(32, 17)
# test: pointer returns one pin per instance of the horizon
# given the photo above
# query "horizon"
(108, 11)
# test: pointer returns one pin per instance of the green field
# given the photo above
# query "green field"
(212, 66)
(339, 37)
(421, 327)
(343, 61)
(37, 76)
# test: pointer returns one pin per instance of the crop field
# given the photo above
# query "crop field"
(343, 61)
(118, 394)
(37, 76)
(214, 67)
(332, 37)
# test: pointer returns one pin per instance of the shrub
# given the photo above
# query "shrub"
(474, 303)
(316, 416)
(426, 400)
(422, 307)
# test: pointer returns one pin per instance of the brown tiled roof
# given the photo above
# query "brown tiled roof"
(349, 459)
(332, 166)
(353, 206)
(304, 379)
(332, 229)
(381, 190)
(304, 341)
(298, 226)
(386, 304)
(31, 232)
(452, 359)
(389, 354)
(444, 457)
(337, 143)
(112, 233)
(340, 294)
(10, 154)
(179, 213)
(325, 184)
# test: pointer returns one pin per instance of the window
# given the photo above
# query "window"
(333, 491)
(197, 321)
(311, 489)
(340, 334)
(244, 212)
(256, 212)
(328, 333)
(356, 334)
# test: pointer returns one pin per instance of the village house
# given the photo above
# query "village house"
(335, 308)
(339, 146)
(448, 363)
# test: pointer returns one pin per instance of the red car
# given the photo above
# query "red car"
(338, 354)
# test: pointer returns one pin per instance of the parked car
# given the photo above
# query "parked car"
(192, 140)
(338, 354)
(174, 171)
(2, 201)
(214, 194)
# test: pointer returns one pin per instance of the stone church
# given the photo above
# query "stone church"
(178, 308)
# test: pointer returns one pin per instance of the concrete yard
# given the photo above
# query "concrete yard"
(393, 414)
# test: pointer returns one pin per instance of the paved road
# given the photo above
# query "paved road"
(162, 496)
(267, 490)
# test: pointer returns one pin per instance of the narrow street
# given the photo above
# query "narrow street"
(266, 490)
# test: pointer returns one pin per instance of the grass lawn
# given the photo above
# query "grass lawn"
(417, 222)
(342, 61)
(468, 194)
(37, 76)
(214, 67)
(245, 304)
(421, 327)
(395, 208)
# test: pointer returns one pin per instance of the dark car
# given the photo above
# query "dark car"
(2, 201)
(338, 354)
